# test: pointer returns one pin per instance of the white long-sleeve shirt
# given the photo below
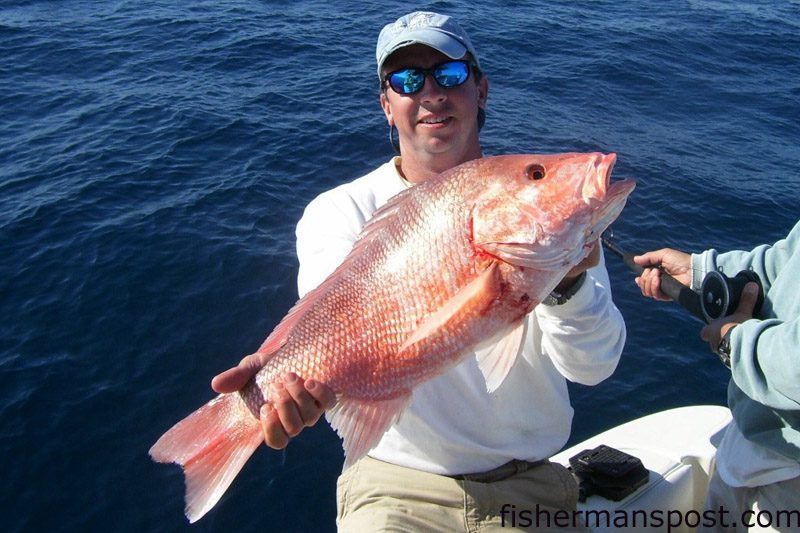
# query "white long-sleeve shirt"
(452, 424)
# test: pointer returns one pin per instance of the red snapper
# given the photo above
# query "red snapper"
(445, 270)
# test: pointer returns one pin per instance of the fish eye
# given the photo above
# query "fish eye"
(535, 172)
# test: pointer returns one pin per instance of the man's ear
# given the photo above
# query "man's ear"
(387, 108)
(483, 91)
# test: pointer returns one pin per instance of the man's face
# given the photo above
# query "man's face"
(433, 120)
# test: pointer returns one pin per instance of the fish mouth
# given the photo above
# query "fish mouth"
(611, 206)
(596, 185)
(598, 189)
(605, 197)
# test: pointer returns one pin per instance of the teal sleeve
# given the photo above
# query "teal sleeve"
(765, 361)
(765, 351)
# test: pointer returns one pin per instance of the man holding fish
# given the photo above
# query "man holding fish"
(458, 452)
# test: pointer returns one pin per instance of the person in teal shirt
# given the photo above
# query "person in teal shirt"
(757, 474)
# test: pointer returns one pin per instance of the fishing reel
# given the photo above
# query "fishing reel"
(720, 295)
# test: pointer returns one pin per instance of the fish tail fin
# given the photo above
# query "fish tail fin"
(211, 445)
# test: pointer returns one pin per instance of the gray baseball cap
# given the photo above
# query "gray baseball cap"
(440, 32)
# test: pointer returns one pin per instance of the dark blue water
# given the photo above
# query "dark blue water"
(155, 157)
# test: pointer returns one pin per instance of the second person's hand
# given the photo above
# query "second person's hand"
(674, 262)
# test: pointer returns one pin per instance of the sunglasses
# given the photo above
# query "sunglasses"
(411, 80)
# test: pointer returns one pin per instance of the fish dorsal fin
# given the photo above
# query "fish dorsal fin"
(475, 296)
(497, 354)
(373, 229)
(369, 234)
(386, 211)
(361, 423)
(281, 333)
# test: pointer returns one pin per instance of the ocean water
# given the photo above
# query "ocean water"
(155, 157)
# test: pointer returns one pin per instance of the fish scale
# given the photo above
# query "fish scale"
(446, 270)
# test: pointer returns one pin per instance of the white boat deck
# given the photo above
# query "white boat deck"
(675, 446)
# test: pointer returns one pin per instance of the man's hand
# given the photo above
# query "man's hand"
(713, 332)
(299, 403)
(237, 377)
(675, 263)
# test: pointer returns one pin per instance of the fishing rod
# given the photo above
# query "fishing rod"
(719, 295)
(680, 293)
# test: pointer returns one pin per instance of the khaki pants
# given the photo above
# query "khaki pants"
(773, 507)
(377, 496)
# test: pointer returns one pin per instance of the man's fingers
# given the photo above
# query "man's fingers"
(713, 332)
(748, 299)
(323, 394)
(231, 380)
(650, 258)
(288, 410)
(274, 435)
(710, 333)
(592, 259)
(311, 398)
(237, 377)
(649, 283)
(294, 403)
(655, 285)
(305, 405)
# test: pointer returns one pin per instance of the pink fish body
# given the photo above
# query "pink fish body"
(447, 269)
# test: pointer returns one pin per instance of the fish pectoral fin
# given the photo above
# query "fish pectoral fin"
(497, 354)
(362, 423)
(474, 298)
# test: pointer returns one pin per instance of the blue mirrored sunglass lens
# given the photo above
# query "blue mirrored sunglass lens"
(451, 74)
(407, 81)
